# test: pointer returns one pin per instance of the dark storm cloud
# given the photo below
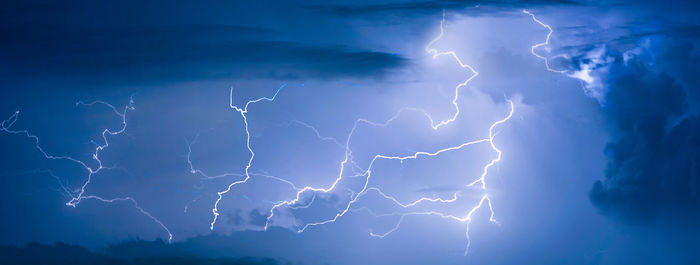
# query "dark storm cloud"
(653, 170)
(257, 218)
(619, 36)
(155, 53)
(484, 7)
(684, 32)
(234, 217)
(164, 41)
(60, 253)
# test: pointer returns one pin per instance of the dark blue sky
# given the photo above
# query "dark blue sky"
(598, 163)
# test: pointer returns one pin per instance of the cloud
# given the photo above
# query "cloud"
(433, 6)
(653, 170)
(178, 52)
(60, 253)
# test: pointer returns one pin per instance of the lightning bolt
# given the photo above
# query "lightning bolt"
(300, 201)
(584, 72)
(242, 111)
(297, 202)
(543, 44)
(77, 197)
(435, 54)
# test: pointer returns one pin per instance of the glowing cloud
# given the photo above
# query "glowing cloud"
(298, 201)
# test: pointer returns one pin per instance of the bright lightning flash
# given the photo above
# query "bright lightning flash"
(543, 44)
(297, 201)
(346, 164)
(243, 111)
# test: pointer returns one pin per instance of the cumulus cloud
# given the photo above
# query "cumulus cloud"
(653, 160)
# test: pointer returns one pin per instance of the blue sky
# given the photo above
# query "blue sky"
(598, 161)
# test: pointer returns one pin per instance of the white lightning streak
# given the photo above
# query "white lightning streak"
(435, 53)
(194, 170)
(467, 219)
(77, 198)
(242, 111)
(482, 179)
(296, 202)
(589, 83)
(136, 205)
(365, 188)
(545, 43)
(318, 134)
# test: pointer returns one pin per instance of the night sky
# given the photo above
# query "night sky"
(350, 132)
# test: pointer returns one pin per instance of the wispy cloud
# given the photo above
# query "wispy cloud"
(180, 52)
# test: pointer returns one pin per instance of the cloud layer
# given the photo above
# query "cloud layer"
(653, 160)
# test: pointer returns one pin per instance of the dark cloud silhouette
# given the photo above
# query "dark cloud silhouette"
(133, 42)
(432, 6)
(60, 253)
(257, 218)
(178, 52)
(653, 171)
(234, 217)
